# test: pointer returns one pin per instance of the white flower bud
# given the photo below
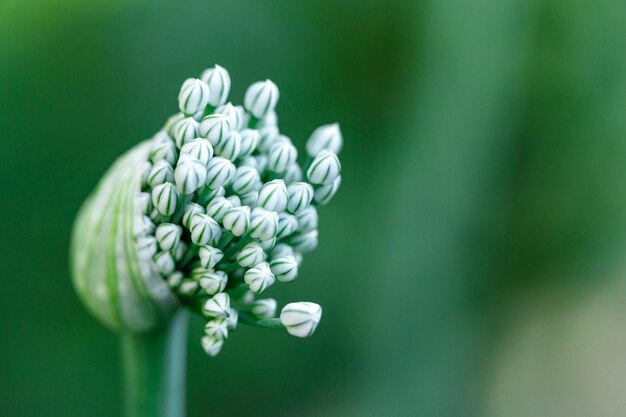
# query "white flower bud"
(164, 263)
(325, 193)
(261, 98)
(165, 198)
(259, 278)
(180, 250)
(270, 119)
(267, 137)
(273, 196)
(300, 196)
(199, 148)
(305, 242)
(236, 114)
(262, 163)
(186, 130)
(285, 269)
(204, 229)
(218, 80)
(164, 150)
(324, 168)
(143, 203)
(220, 172)
(211, 345)
(325, 137)
(301, 319)
(143, 226)
(190, 210)
(282, 155)
(250, 199)
(246, 179)
(216, 128)
(249, 141)
(160, 173)
(171, 123)
(234, 200)
(217, 306)
(188, 287)
(168, 235)
(217, 328)
(287, 224)
(263, 224)
(281, 250)
(308, 219)
(218, 207)
(252, 254)
(237, 220)
(264, 309)
(293, 174)
(146, 246)
(174, 279)
(190, 174)
(233, 318)
(268, 244)
(230, 147)
(194, 96)
(212, 282)
(209, 256)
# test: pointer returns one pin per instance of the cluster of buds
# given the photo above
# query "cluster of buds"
(225, 209)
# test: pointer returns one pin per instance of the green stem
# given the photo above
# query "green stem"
(154, 370)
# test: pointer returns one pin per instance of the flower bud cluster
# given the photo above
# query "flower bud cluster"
(226, 211)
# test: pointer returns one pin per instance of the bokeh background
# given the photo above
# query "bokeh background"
(472, 264)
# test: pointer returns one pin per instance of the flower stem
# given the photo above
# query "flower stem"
(154, 369)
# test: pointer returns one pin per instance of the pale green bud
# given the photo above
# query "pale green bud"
(264, 308)
(160, 173)
(325, 137)
(282, 155)
(199, 148)
(261, 98)
(259, 278)
(164, 150)
(218, 80)
(301, 319)
(164, 263)
(194, 96)
(209, 256)
(217, 328)
(252, 254)
(204, 229)
(236, 114)
(186, 130)
(190, 174)
(211, 345)
(324, 168)
(308, 219)
(220, 172)
(216, 128)
(273, 196)
(165, 198)
(217, 306)
(250, 199)
(230, 147)
(218, 207)
(325, 193)
(270, 119)
(263, 224)
(305, 242)
(168, 235)
(287, 224)
(300, 196)
(246, 179)
(190, 210)
(249, 141)
(237, 220)
(293, 174)
(285, 269)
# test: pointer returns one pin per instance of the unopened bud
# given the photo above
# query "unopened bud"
(217, 306)
(263, 224)
(261, 98)
(198, 148)
(217, 328)
(325, 137)
(209, 256)
(300, 196)
(301, 319)
(165, 198)
(160, 173)
(246, 179)
(164, 150)
(273, 196)
(308, 219)
(216, 128)
(282, 154)
(220, 172)
(190, 174)
(164, 263)
(237, 220)
(305, 242)
(249, 141)
(185, 130)
(324, 168)
(287, 224)
(194, 96)
(218, 80)
(190, 210)
(168, 235)
(218, 207)
(259, 278)
(204, 229)
(252, 254)
(211, 345)
(264, 308)
(325, 193)
(285, 269)
(236, 114)
(230, 147)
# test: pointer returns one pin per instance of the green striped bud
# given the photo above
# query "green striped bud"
(264, 308)
(261, 98)
(285, 269)
(327, 137)
(325, 193)
(236, 115)
(160, 173)
(168, 235)
(218, 80)
(190, 210)
(301, 319)
(199, 148)
(237, 220)
(250, 199)
(211, 345)
(269, 244)
(282, 155)
(287, 224)
(220, 172)
(230, 147)
(164, 150)
(165, 198)
(170, 125)
(270, 119)
(267, 137)
(209, 256)
(304, 242)
(263, 224)
(293, 174)
(259, 277)
(204, 229)
(194, 96)
(273, 196)
(282, 250)
(252, 254)
(212, 282)
(308, 219)
(324, 168)
(217, 306)
(300, 196)
(246, 179)
(218, 207)
(216, 128)
(190, 174)
(234, 200)
(249, 141)
(186, 130)
(217, 328)
(164, 263)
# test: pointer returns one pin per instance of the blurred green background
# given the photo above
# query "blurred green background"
(472, 264)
